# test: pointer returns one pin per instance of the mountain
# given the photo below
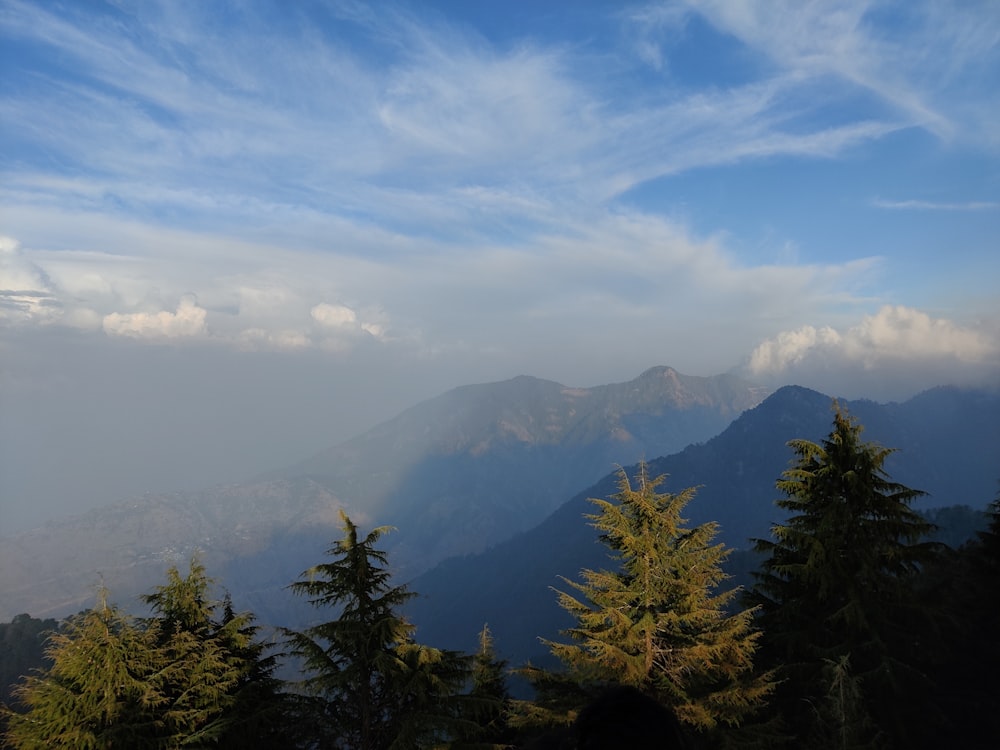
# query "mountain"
(495, 459)
(454, 475)
(948, 444)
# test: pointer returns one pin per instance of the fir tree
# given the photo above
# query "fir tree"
(836, 588)
(660, 622)
(376, 688)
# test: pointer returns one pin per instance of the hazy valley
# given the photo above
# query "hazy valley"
(454, 475)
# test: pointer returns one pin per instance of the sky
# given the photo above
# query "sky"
(233, 234)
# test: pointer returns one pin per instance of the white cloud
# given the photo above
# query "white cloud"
(902, 333)
(334, 316)
(376, 330)
(789, 348)
(26, 293)
(896, 350)
(186, 322)
(924, 67)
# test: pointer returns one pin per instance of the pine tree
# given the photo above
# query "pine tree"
(660, 623)
(836, 586)
(965, 658)
(235, 700)
(178, 679)
(490, 702)
(101, 690)
(376, 687)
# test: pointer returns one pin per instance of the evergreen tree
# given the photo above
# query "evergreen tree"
(101, 691)
(491, 700)
(239, 702)
(837, 588)
(376, 687)
(179, 679)
(22, 649)
(965, 658)
(660, 623)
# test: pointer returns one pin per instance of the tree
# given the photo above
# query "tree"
(836, 590)
(491, 700)
(965, 657)
(659, 622)
(376, 688)
(101, 690)
(22, 649)
(233, 693)
(183, 678)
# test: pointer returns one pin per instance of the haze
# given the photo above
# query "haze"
(237, 233)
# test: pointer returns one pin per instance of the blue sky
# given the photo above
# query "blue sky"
(236, 232)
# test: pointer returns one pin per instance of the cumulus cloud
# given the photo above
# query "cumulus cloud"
(187, 321)
(895, 351)
(333, 316)
(339, 323)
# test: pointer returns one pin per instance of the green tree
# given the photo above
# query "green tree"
(233, 694)
(965, 658)
(659, 622)
(491, 700)
(101, 690)
(183, 678)
(836, 590)
(376, 688)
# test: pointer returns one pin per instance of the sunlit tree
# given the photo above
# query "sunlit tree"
(661, 620)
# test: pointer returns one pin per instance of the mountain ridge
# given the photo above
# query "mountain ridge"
(488, 460)
(735, 473)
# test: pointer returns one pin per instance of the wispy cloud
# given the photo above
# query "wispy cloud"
(425, 108)
(918, 205)
(915, 65)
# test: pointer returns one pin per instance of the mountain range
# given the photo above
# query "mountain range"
(455, 475)
(948, 445)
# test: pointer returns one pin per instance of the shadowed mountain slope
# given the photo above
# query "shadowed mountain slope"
(948, 444)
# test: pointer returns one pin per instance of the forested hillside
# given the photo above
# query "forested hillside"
(857, 632)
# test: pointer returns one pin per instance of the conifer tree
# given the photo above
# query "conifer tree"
(660, 622)
(376, 688)
(179, 679)
(240, 700)
(965, 657)
(101, 690)
(490, 702)
(836, 589)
